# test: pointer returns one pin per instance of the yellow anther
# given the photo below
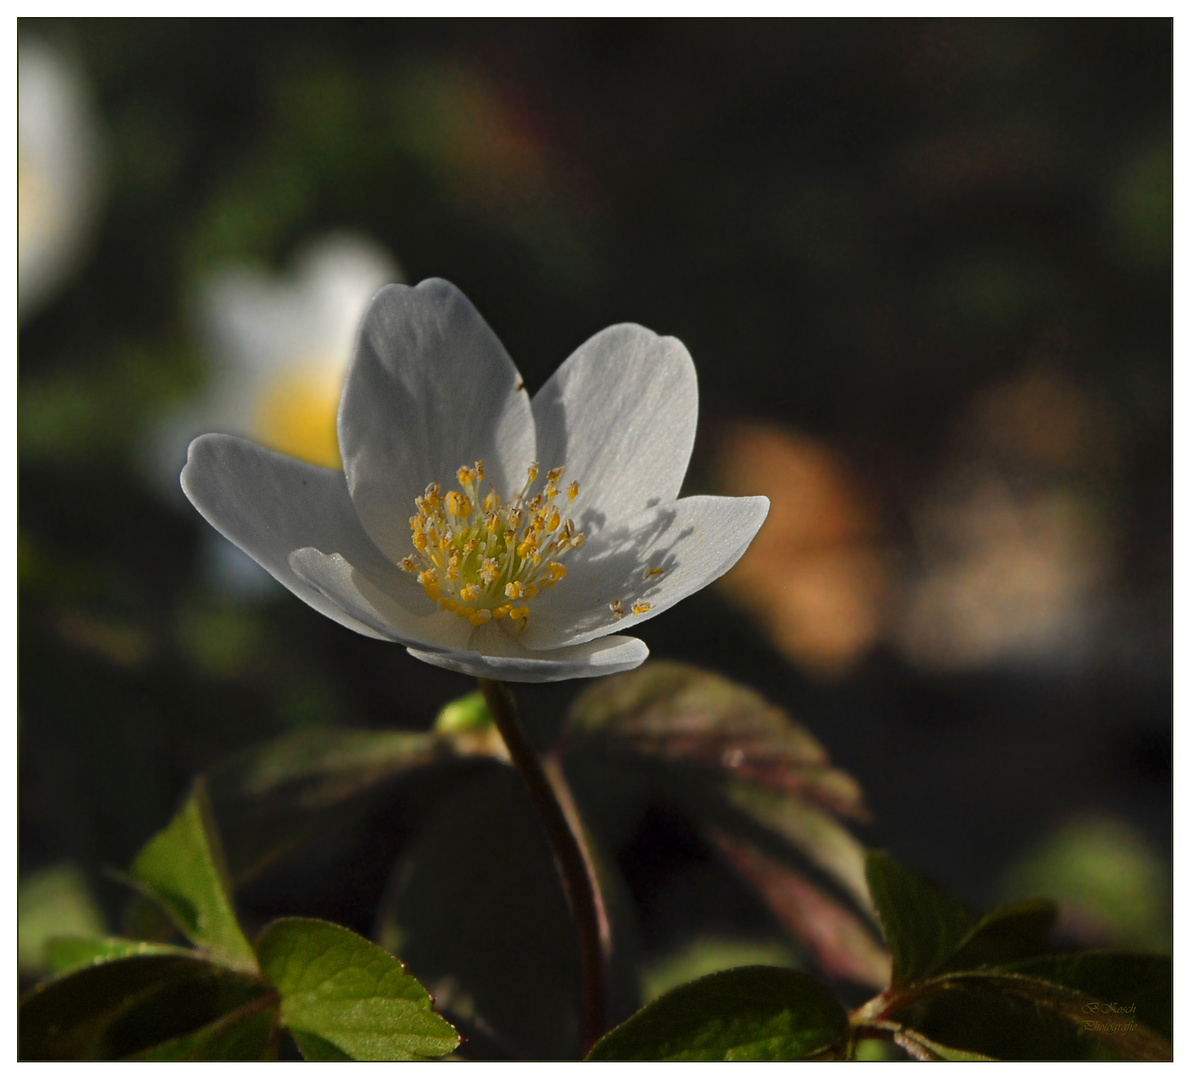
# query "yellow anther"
(617, 608)
(469, 548)
(572, 491)
(640, 607)
(653, 571)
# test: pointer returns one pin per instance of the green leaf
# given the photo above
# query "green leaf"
(249, 1033)
(746, 1014)
(477, 909)
(68, 952)
(675, 714)
(1012, 932)
(841, 945)
(923, 925)
(737, 766)
(1111, 982)
(123, 1007)
(466, 714)
(273, 797)
(1014, 1017)
(808, 829)
(338, 988)
(924, 1049)
(182, 869)
(51, 902)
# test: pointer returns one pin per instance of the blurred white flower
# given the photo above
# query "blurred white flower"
(518, 572)
(279, 348)
(57, 171)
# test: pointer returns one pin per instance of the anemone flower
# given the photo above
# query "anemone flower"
(490, 534)
(279, 348)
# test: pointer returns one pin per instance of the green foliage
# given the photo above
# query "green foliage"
(477, 909)
(745, 1014)
(116, 998)
(128, 1006)
(468, 713)
(52, 902)
(923, 925)
(272, 797)
(965, 985)
(338, 990)
(475, 902)
(65, 953)
(758, 787)
(182, 869)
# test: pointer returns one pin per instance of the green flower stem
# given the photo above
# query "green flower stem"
(573, 866)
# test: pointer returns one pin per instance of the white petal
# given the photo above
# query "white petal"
(270, 505)
(387, 600)
(693, 541)
(620, 414)
(604, 657)
(430, 389)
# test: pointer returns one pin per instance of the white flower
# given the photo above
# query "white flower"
(279, 348)
(489, 534)
(57, 180)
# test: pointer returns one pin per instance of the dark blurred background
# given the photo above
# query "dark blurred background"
(923, 268)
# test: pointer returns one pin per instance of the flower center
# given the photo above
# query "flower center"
(296, 414)
(483, 558)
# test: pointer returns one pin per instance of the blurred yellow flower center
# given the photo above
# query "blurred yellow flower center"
(296, 415)
(484, 558)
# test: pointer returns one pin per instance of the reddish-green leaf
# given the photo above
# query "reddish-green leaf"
(838, 940)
